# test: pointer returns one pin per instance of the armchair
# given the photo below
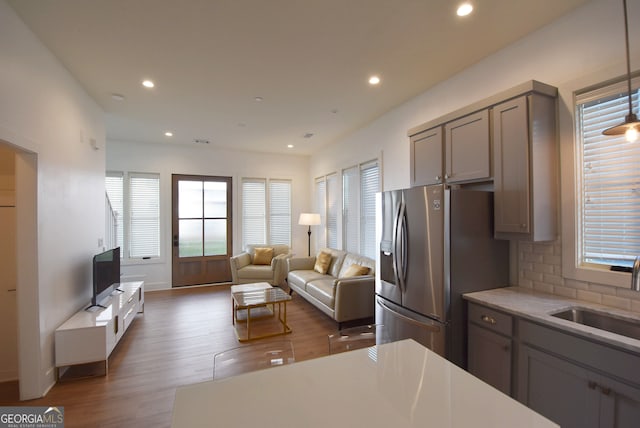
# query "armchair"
(246, 268)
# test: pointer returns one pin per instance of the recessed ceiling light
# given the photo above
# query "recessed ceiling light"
(117, 97)
(464, 9)
(168, 134)
(148, 84)
(258, 99)
(374, 80)
(308, 135)
(290, 146)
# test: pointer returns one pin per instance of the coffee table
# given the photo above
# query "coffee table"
(251, 300)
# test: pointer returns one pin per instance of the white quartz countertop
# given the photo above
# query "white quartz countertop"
(400, 384)
(536, 306)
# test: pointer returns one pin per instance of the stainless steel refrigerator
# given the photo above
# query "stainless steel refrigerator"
(434, 244)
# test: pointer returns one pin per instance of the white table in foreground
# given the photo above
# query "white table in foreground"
(400, 384)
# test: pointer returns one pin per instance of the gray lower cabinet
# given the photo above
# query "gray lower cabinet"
(489, 357)
(489, 346)
(576, 382)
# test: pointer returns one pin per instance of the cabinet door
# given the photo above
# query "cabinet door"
(489, 357)
(511, 166)
(468, 148)
(563, 392)
(619, 404)
(426, 157)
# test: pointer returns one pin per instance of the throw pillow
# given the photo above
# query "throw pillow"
(355, 270)
(262, 256)
(323, 260)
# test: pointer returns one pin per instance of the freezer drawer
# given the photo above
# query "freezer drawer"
(397, 323)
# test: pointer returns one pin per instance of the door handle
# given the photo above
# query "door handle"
(429, 327)
(175, 240)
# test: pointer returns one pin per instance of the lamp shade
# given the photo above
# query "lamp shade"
(309, 219)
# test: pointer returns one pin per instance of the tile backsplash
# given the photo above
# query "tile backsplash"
(540, 268)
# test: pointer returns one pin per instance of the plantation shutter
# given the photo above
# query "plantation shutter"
(253, 212)
(332, 211)
(144, 194)
(610, 178)
(369, 185)
(350, 213)
(280, 212)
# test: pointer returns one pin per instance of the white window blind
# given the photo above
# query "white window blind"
(114, 185)
(144, 212)
(320, 203)
(369, 185)
(332, 210)
(280, 212)
(609, 192)
(350, 213)
(253, 212)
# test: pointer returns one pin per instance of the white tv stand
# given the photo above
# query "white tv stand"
(90, 336)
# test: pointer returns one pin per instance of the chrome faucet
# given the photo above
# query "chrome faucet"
(635, 275)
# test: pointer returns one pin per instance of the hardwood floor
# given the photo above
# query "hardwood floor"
(170, 345)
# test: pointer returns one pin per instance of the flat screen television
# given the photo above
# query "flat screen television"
(106, 274)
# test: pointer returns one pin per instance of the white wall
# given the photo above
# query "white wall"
(48, 117)
(578, 50)
(168, 159)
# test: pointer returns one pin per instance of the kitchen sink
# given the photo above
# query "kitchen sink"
(621, 326)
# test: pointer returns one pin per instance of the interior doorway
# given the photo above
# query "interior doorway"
(201, 229)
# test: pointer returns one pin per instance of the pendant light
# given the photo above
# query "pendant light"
(630, 127)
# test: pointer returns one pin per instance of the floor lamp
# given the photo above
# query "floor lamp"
(309, 219)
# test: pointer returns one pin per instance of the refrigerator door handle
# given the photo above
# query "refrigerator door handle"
(404, 251)
(396, 254)
(410, 320)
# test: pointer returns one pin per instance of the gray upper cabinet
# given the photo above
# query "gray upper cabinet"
(468, 149)
(426, 157)
(509, 138)
(525, 168)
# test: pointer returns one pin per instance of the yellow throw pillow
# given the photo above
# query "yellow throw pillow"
(355, 270)
(323, 260)
(262, 256)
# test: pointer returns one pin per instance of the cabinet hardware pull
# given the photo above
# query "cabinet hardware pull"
(446, 176)
(488, 319)
(438, 178)
(605, 391)
(592, 384)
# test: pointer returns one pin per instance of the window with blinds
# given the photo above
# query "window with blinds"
(135, 199)
(359, 186)
(144, 214)
(350, 209)
(369, 185)
(114, 185)
(609, 174)
(266, 211)
(321, 208)
(332, 210)
(254, 210)
(280, 212)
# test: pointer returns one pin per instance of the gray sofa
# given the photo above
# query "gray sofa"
(343, 299)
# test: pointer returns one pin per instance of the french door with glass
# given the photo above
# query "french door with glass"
(201, 229)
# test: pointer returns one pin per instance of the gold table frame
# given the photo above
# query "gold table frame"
(248, 300)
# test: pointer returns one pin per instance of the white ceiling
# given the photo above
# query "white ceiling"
(308, 59)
